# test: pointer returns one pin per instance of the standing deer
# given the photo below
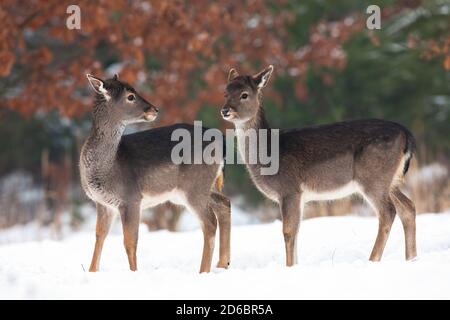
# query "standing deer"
(326, 162)
(129, 173)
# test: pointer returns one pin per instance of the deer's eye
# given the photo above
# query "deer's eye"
(244, 96)
(131, 97)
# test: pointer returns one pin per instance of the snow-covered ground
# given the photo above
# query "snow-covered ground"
(333, 263)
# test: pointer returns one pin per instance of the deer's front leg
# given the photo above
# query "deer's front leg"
(290, 213)
(104, 220)
(130, 214)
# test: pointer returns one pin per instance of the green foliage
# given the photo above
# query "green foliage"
(309, 12)
(389, 80)
(22, 140)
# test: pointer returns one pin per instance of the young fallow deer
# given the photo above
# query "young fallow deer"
(128, 173)
(327, 162)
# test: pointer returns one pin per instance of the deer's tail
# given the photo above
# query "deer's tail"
(220, 177)
(219, 181)
(410, 149)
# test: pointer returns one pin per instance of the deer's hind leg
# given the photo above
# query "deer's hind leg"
(407, 213)
(385, 210)
(221, 208)
(105, 218)
(291, 215)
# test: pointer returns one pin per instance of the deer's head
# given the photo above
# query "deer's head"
(121, 101)
(242, 95)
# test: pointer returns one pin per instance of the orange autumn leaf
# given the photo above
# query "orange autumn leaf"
(7, 60)
(177, 52)
(446, 62)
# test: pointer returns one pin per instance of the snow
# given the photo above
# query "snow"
(333, 263)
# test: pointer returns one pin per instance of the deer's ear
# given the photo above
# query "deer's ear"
(98, 85)
(233, 74)
(261, 79)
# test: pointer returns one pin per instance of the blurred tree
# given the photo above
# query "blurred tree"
(165, 46)
(328, 67)
(399, 72)
(178, 51)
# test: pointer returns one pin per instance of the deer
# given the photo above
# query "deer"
(326, 162)
(127, 173)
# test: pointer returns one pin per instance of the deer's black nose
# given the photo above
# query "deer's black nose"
(225, 111)
(151, 108)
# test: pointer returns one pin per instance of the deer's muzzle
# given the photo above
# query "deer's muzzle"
(151, 113)
(228, 113)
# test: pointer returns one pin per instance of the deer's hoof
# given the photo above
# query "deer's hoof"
(223, 265)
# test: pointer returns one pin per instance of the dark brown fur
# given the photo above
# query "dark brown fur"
(128, 173)
(369, 157)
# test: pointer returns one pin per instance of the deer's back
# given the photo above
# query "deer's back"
(146, 158)
(322, 142)
(327, 157)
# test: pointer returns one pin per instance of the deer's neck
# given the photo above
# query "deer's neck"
(250, 137)
(257, 122)
(100, 149)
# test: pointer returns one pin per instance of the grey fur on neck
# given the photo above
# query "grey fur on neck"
(103, 141)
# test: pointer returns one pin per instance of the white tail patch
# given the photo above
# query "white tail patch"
(218, 181)
(399, 177)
